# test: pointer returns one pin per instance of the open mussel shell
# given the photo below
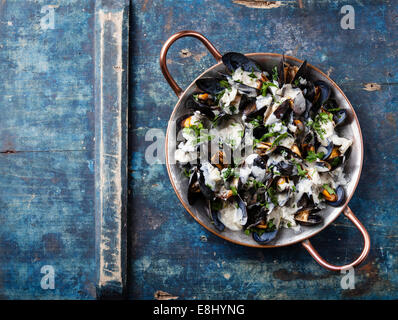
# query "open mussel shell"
(182, 121)
(327, 151)
(308, 217)
(265, 237)
(340, 193)
(210, 85)
(214, 217)
(322, 94)
(193, 188)
(192, 104)
(339, 117)
(323, 166)
(301, 72)
(234, 60)
(204, 189)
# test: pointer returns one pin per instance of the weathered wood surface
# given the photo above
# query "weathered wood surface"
(48, 154)
(169, 251)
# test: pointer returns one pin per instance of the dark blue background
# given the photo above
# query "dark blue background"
(169, 250)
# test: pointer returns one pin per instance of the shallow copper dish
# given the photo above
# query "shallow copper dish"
(286, 236)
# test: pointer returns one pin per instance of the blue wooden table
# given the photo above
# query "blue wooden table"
(68, 227)
(169, 251)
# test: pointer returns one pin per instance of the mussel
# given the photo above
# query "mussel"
(308, 216)
(322, 94)
(193, 188)
(336, 199)
(265, 237)
(196, 104)
(210, 85)
(234, 60)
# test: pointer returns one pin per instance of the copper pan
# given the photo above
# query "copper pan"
(285, 236)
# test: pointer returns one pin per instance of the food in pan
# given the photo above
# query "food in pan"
(262, 148)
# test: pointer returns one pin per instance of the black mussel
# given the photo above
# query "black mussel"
(260, 162)
(322, 166)
(292, 152)
(246, 90)
(308, 107)
(242, 206)
(259, 131)
(301, 72)
(308, 217)
(339, 117)
(234, 60)
(211, 85)
(322, 94)
(337, 199)
(197, 105)
(309, 90)
(282, 109)
(251, 112)
(281, 72)
(285, 168)
(327, 151)
(265, 237)
(204, 189)
(256, 215)
(193, 188)
(184, 122)
(305, 201)
(213, 208)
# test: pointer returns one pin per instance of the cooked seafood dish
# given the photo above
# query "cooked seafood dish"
(262, 149)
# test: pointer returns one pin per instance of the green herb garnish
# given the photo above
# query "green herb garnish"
(279, 138)
(265, 86)
(312, 156)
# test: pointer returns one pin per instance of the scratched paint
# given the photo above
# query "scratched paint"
(166, 251)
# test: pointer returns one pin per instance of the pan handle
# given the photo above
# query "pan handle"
(350, 215)
(163, 54)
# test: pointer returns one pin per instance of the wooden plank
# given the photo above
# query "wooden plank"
(111, 25)
(170, 252)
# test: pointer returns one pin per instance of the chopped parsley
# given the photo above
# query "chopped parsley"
(225, 84)
(275, 73)
(279, 138)
(265, 86)
(272, 195)
(312, 156)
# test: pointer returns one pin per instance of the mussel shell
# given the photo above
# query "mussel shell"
(265, 237)
(210, 85)
(301, 72)
(322, 166)
(340, 192)
(326, 150)
(193, 188)
(242, 206)
(205, 190)
(217, 223)
(324, 94)
(281, 72)
(308, 217)
(235, 60)
(282, 109)
(339, 117)
(180, 120)
(194, 105)
(285, 168)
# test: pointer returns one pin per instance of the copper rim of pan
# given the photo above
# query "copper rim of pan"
(187, 207)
